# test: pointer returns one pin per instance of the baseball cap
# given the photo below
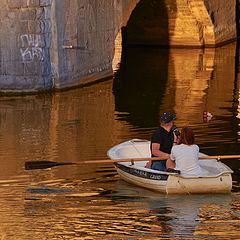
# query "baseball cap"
(167, 117)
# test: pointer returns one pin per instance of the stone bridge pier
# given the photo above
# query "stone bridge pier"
(47, 44)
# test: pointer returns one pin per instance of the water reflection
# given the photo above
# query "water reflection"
(184, 81)
(86, 202)
(60, 127)
(213, 220)
(139, 86)
(183, 216)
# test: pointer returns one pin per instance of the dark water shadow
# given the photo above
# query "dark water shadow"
(139, 85)
(140, 82)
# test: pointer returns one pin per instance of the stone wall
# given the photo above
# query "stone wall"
(223, 18)
(25, 63)
(84, 39)
(48, 44)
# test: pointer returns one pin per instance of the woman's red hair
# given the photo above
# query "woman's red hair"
(186, 136)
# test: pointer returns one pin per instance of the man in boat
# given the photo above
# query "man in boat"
(162, 141)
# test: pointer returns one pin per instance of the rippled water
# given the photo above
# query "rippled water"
(90, 201)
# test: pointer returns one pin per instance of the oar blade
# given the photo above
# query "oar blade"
(33, 165)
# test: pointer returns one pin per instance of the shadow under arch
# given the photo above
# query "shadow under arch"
(140, 82)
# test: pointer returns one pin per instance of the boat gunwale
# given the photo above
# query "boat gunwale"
(169, 173)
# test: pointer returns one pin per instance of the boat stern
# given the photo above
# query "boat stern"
(219, 184)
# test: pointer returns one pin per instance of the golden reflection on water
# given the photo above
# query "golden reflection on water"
(89, 201)
(204, 79)
(127, 212)
(216, 221)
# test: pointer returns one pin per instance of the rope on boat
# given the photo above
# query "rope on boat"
(184, 187)
(133, 143)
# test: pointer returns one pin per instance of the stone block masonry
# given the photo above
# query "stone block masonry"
(48, 44)
(37, 53)
(25, 47)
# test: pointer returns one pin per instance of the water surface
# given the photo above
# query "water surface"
(90, 201)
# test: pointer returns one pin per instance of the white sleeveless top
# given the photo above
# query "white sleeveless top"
(186, 160)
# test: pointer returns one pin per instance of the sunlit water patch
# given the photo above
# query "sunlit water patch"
(89, 201)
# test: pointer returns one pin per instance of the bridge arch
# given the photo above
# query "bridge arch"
(178, 23)
(175, 23)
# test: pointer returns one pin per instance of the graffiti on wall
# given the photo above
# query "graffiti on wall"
(31, 47)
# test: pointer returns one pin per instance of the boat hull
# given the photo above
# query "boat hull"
(175, 184)
(156, 182)
(216, 177)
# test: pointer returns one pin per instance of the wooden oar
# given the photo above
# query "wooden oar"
(221, 157)
(48, 164)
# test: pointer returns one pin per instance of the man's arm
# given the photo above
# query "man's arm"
(176, 140)
(156, 152)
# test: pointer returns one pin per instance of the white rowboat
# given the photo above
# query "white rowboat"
(216, 175)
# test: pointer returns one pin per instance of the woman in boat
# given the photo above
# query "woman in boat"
(184, 156)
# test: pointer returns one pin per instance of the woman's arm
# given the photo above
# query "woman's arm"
(170, 163)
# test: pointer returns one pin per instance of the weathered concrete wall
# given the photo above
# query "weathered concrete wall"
(25, 40)
(84, 39)
(36, 36)
(51, 43)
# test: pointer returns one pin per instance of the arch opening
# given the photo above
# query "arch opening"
(141, 75)
(148, 24)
